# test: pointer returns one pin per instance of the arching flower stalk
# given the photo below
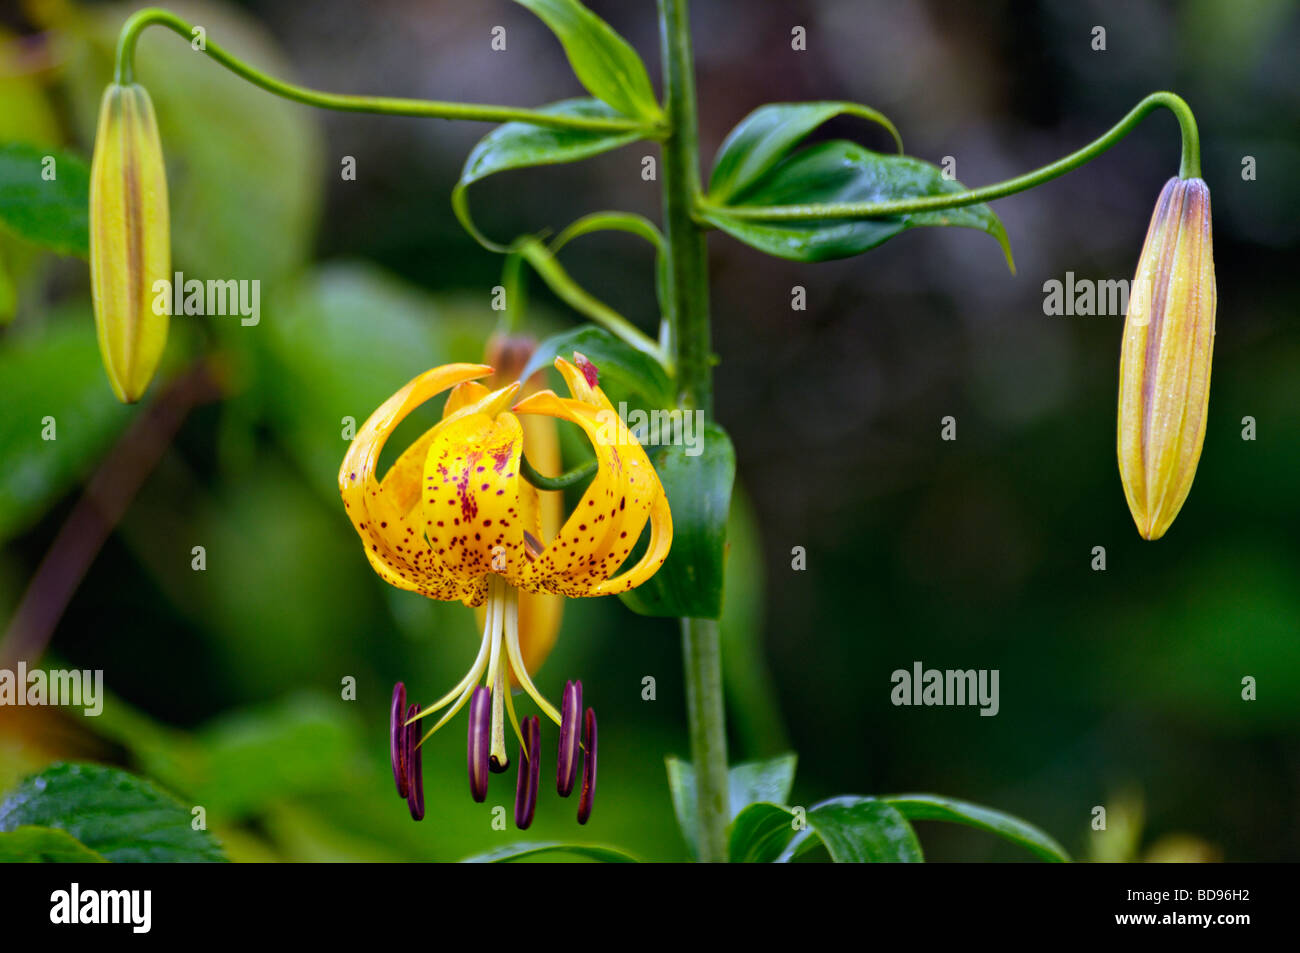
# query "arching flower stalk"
(454, 519)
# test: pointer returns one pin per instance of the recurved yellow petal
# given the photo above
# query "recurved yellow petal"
(385, 515)
(602, 531)
(130, 241)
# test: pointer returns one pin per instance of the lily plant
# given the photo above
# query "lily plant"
(472, 511)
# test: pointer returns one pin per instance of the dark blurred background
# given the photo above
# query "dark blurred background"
(1119, 688)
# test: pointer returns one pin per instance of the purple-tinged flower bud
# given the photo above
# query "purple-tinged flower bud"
(414, 765)
(397, 738)
(566, 771)
(588, 767)
(530, 772)
(1164, 376)
(480, 725)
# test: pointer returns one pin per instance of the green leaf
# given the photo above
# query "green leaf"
(123, 817)
(768, 134)
(760, 833)
(934, 807)
(754, 781)
(44, 845)
(602, 60)
(519, 145)
(748, 782)
(857, 830)
(840, 172)
(615, 360)
(513, 852)
(54, 213)
(8, 292)
(681, 786)
(56, 372)
(697, 480)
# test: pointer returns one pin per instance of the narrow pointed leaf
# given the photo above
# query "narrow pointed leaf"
(864, 830)
(749, 782)
(681, 785)
(934, 807)
(602, 60)
(840, 172)
(697, 476)
(514, 852)
(760, 833)
(518, 145)
(756, 781)
(768, 135)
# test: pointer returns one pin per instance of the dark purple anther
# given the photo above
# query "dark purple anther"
(530, 772)
(414, 765)
(498, 767)
(588, 767)
(566, 770)
(397, 737)
(480, 718)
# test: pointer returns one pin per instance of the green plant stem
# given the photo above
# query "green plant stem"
(687, 307)
(562, 482)
(385, 105)
(574, 295)
(687, 321)
(628, 222)
(633, 224)
(1189, 168)
(702, 658)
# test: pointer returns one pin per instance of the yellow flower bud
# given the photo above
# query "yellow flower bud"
(130, 243)
(1164, 371)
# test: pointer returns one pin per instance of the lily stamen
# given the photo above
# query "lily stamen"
(566, 771)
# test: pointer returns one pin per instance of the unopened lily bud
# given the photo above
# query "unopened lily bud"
(1164, 375)
(130, 243)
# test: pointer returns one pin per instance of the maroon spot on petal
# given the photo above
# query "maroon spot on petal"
(501, 456)
(588, 369)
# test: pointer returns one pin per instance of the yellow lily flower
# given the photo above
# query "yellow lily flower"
(1164, 377)
(130, 240)
(454, 519)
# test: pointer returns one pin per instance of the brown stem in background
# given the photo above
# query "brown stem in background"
(102, 505)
